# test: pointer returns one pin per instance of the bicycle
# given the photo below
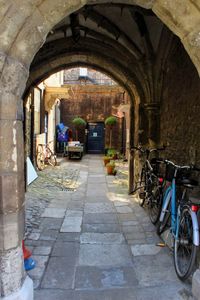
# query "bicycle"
(181, 212)
(45, 156)
(150, 184)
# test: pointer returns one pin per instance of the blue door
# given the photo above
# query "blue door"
(95, 140)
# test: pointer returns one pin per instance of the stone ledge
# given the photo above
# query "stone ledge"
(25, 293)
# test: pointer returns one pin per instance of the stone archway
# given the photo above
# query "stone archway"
(35, 19)
(115, 71)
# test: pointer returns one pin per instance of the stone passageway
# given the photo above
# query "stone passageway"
(95, 243)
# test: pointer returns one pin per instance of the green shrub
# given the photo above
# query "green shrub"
(110, 121)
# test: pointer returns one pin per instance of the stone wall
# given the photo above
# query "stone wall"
(94, 104)
(180, 108)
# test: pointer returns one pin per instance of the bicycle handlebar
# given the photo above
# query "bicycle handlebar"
(146, 150)
(191, 167)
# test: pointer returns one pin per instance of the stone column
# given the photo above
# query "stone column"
(153, 113)
(13, 281)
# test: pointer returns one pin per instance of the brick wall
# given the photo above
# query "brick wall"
(94, 103)
(180, 108)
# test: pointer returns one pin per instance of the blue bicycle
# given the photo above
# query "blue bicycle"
(180, 214)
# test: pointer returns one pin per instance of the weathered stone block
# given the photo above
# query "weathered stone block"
(11, 230)
(11, 147)
(181, 21)
(14, 76)
(12, 270)
(12, 192)
(55, 11)
(11, 107)
(25, 48)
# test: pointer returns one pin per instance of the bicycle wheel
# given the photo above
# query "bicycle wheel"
(40, 161)
(52, 160)
(155, 204)
(142, 188)
(166, 220)
(184, 250)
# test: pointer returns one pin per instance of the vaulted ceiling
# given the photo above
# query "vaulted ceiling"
(130, 37)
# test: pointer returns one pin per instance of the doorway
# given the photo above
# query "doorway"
(95, 138)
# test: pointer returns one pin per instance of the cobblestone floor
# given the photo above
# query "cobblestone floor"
(91, 241)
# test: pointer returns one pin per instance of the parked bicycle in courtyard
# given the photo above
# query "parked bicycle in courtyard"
(44, 156)
(150, 183)
(179, 212)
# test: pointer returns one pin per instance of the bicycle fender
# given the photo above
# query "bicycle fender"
(167, 198)
(195, 228)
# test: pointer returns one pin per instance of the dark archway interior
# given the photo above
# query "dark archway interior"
(133, 46)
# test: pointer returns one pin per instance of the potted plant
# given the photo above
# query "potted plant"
(79, 123)
(113, 153)
(111, 168)
(110, 122)
(106, 160)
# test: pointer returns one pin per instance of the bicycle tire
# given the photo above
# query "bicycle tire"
(40, 161)
(161, 226)
(142, 189)
(185, 234)
(52, 160)
(155, 204)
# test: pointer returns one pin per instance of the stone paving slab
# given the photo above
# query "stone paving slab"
(154, 270)
(55, 294)
(75, 205)
(123, 209)
(74, 213)
(61, 204)
(139, 250)
(50, 223)
(104, 278)
(101, 228)
(42, 250)
(54, 212)
(102, 238)
(100, 218)
(99, 208)
(96, 179)
(127, 217)
(97, 186)
(71, 224)
(49, 235)
(68, 250)
(104, 255)
(59, 274)
(68, 237)
(155, 293)
(38, 271)
(97, 199)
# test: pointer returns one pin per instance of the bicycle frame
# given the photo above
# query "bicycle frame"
(170, 195)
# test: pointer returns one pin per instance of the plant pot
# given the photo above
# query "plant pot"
(110, 169)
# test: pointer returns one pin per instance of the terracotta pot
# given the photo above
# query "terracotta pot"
(110, 170)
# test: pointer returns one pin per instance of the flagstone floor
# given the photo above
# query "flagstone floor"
(91, 241)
